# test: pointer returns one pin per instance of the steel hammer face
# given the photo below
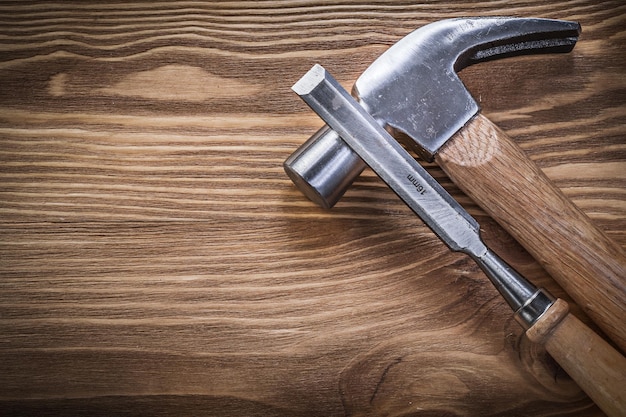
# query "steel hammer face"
(413, 88)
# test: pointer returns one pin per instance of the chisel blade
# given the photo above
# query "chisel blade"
(395, 166)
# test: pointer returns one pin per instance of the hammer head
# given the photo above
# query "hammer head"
(413, 89)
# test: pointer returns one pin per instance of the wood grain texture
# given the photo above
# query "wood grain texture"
(593, 363)
(155, 259)
(491, 169)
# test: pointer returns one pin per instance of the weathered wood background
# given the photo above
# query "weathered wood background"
(155, 260)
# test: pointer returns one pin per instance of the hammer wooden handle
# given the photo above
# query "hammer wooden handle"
(489, 167)
(589, 360)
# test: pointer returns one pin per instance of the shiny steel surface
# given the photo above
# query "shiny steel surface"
(413, 184)
(324, 167)
(413, 88)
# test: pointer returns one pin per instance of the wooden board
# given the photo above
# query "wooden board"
(155, 260)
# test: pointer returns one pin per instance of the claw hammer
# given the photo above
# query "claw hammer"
(596, 366)
(413, 90)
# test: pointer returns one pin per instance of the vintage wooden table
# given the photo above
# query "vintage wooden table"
(155, 260)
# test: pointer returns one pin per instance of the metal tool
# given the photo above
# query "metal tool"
(418, 189)
(413, 91)
(598, 369)
(413, 88)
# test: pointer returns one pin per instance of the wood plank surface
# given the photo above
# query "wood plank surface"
(156, 260)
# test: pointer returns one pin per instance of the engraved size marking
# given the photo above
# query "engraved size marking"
(419, 187)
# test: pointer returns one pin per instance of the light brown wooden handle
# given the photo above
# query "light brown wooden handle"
(596, 366)
(490, 168)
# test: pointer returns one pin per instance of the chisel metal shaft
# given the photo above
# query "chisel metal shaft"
(417, 188)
